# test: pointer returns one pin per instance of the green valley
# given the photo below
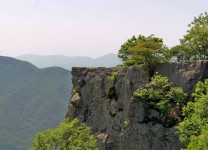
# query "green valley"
(31, 100)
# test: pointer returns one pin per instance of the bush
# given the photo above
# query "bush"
(69, 135)
(199, 142)
(193, 130)
(161, 96)
(113, 77)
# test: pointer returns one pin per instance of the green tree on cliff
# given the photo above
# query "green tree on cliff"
(69, 135)
(161, 96)
(147, 51)
(194, 45)
(193, 130)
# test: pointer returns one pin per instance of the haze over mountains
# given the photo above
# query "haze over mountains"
(67, 62)
(31, 99)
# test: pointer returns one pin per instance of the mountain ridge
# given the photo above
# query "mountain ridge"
(28, 97)
(67, 62)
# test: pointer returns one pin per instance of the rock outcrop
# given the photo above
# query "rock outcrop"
(107, 104)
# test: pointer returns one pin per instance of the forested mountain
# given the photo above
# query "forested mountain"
(31, 99)
(109, 60)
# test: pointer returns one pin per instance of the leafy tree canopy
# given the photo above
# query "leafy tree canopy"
(143, 50)
(193, 130)
(194, 45)
(69, 135)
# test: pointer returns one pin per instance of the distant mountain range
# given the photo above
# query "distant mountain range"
(109, 60)
(31, 100)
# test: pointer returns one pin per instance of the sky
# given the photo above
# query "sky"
(90, 27)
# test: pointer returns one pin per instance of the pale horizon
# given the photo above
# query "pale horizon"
(61, 55)
(90, 28)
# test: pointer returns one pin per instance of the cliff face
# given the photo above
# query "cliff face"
(115, 116)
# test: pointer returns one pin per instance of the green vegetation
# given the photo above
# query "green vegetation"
(194, 45)
(148, 51)
(161, 96)
(113, 77)
(112, 91)
(31, 100)
(193, 130)
(69, 135)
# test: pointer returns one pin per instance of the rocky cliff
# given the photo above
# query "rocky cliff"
(113, 113)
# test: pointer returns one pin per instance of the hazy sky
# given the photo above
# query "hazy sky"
(90, 27)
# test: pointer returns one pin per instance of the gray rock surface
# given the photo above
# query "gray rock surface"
(115, 116)
(184, 74)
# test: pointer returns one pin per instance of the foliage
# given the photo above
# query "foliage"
(143, 50)
(69, 135)
(193, 130)
(181, 52)
(113, 77)
(37, 97)
(201, 89)
(194, 45)
(199, 142)
(161, 96)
